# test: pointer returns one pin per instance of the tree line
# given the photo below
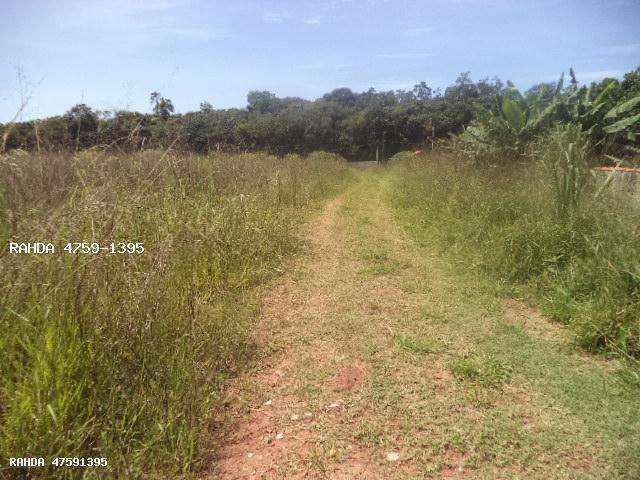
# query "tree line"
(356, 125)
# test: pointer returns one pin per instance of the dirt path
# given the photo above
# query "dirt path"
(374, 362)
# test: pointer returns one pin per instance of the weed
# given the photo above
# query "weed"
(414, 345)
(483, 369)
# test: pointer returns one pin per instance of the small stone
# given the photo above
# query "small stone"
(308, 414)
(279, 436)
(393, 457)
(267, 403)
(295, 417)
(333, 405)
(250, 455)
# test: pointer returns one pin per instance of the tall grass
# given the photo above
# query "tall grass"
(537, 228)
(123, 356)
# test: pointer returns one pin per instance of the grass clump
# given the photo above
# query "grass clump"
(486, 370)
(414, 345)
(123, 356)
(541, 228)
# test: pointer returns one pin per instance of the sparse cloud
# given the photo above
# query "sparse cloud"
(148, 20)
(313, 21)
(276, 17)
(114, 10)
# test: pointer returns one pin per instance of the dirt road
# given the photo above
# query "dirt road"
(376, 360)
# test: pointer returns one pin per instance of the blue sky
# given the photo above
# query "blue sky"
(111, 54)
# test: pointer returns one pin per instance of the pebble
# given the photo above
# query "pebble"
(279, 436)
(393, 456)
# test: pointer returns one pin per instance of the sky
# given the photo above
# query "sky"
(110, 54)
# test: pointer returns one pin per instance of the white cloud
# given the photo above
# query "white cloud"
(115, 10)
(140, 21)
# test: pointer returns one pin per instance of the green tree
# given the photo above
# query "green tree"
(162, 107)
(82, 125)
(263, 102)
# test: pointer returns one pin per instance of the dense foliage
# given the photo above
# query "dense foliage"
(607, 112)
(356, 125)
(352, 124)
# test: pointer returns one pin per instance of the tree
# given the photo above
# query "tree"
(463, 89)
(263, 102)
(162, 107)
(342, 96)
(422, 92)
(82, 124)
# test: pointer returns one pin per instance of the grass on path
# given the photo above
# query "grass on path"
(377, 360)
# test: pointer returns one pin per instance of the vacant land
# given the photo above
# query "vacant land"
(379, 359)
(300, 317)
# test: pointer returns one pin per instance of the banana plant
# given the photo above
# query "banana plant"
(595, 116)
(514, 121)
(624, 125)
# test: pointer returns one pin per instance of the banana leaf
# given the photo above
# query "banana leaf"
(605, 94)
(623, 107)
(513, 114)
(621, 125)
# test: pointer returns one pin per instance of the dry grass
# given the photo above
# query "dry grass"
(122, 356)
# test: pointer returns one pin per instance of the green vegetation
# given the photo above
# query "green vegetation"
(501, 396)
(485, 370)
(543, 229)
(608, 113)
(517, 200)
(414, 345)
(123, 356)
(367, 125)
